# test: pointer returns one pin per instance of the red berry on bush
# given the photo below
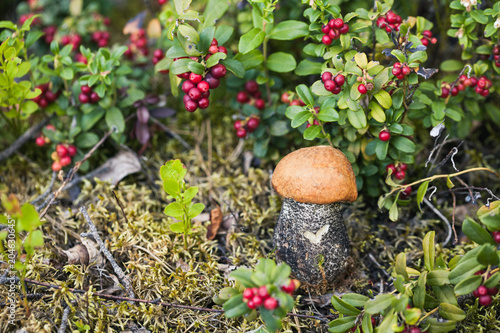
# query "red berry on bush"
(187, 85)
(158, 53)
(263, 292)
(338, 23)
(72, 150)
(65, 161)
(381, 22)
(326, 76)
(242, 97)
(212, 81)
(496, 237)
(83, 98)
(326, 40)
(251, 305)
(50, 96)
(162, 2)
(270, 303)
(257, 301)
(237, 124)
(219, 71)
(285, 98)
(396, 71)
(203, 103)
(384, 135)
(334, 34)
(454, 91)
(251, 87)
(485, 300)
(56, 166)
(61, 151)
(43, 103)
(445, 92)
(405, 70)
(492, 291)
(194, 94)
(86, 90)
(203, 86)
(40, 141)
(241, 133)
(340, 80)
(424, 41)
(248, 293)
(94, 97)
(191, 105)
(252, 124)
(400, 174)
(362, 89)
(391, 167)
(330, 85)
(195, 78)
(325, 29)
(213, 49)
(260, 104)
(415, 330)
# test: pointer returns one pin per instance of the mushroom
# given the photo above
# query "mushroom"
(310, 234)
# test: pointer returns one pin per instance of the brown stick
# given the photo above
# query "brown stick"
(157, 302)
(73, 170)
(29, 134)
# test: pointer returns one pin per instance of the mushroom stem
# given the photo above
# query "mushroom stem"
(312, 239)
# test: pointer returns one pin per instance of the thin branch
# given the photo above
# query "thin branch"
(119, 272)
(28, 135)
(171, 133)
(64, 320)
(157, 301)
(75, 168)
(445, 220)
(47, 191)
(453, 217)
(121, 207)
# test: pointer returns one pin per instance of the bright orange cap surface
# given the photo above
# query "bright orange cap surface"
(318, 175)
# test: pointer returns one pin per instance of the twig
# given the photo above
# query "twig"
(453, 217)
(109, 256)
(28, 135)
(171, 133)
(169, 269)
(47, 191)
(75, 168)
(157, 301)
(450, 155)
(64, 320)
(121, 206)
(445, 220)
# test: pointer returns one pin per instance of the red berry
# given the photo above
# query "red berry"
(381, 22)
(195, 78)
(445, 92)
(212, 82)
(251, 87)
(362, 89)
(43, 103)
(461, 87)
(396, 71)
(162, 2)
(187, 85)
(219, 71)
(213, 49)
(384, 135)
(434, 40)
(340, 80)
(86, 90)
(295, 102)
(325, 29)
(427, 33)
(251, 304)
(326, 76)
(497, 238)
(425, 41)
(492, 291)
(241, 133)
(203, 86)
(50, 127)
(474, 81)
(72, 150)
(194, 94)
(203, 103)
(326, 40)
(242, 97)
(390, 167)
(331, 23)
(485, 300)
(415, 330)
(400, 174)
(260, 104)
(56, 166)
(40, 141)
(222, 49)
(65, 161)
(285, 98)
(61, 151)
(158, 53)
(257, 301)
(406, 192)
(405, 70)
(334, 34)
(391, 18)
(338, 23)
(475, 294)
(214, 42)
(83, 98)
(65, 40)
(454, 91)
(481, 83)
(94, 98)
(237, 124)
(252, 124)
(50, 96)
(344, 29)
(263, 293)
(270, 303)
(330, 85)
(290, 287)
(485, 92)
(191, 105)
(403, 166)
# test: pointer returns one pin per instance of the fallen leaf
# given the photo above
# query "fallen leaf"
(215, 222)
(119, 167)
(134, 24)
(78, 254)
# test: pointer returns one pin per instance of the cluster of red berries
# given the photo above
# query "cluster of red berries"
(81, 58)
(400, 70)
(73, 39)
(257, 297)
(248, 125)
(391, 21)
(42, 140)
(46, 97)
(481, 86)
(399, 171)
(428, 38)
(251, 95)
(23, 18)
(138, 43)
(158, 55)
(62, 156)
(484, 294)
(333, 30)
(101, 38)
(87, 95)
(215, 48)
(332, 83)
(285, 98)
(412, 329)
(49, 33)
(496, 55)
(162, 2)
(197, 87)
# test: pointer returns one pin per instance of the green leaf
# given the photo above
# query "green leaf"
(419, 293)
(328, 115)
(174, 209)
(383, 98)
(305, 94)
(177, 227)
(429, 250)
(214, 59)
(223, 32)
(381, 148)
(468, 285)
(357, 118)
(213, 12)
(288, 30)
(29, 219)
(451, 65)
(7, 25)
(479, 16)
(234, 66)
(393, 212)
(294, 110)
(361, 60)
(171, 186)
(243, 275)
(300, 118)
(196, 67)
(400, 266)
(206, 37)
(493, 280)
(180, 66)
(312, 132)
(343, 307)
(181, 5)
(251, 59)
(115, 118)
(476, 233)
(196, 209)
(422, 189)
(438, 277)
(403, 144)
(272, 322)
(451, 312)
(239, 310)
(355, 299)
(86, 140)
(281, 62)
(308, 67)
(487, 255)
(379, 304)
(251, 40)
(366, 323)
(280, 274)
(342, 325)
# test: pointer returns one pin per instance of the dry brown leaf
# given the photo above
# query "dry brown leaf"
(182, 264)
(134, 24)
(215, 222)
(120, 166)
(78, 254)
